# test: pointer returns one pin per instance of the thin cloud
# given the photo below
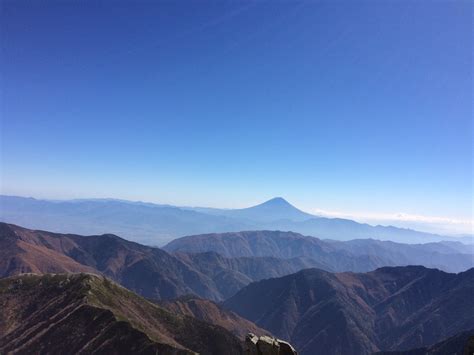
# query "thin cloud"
(457, 224)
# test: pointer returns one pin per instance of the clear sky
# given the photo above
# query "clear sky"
(342, 107)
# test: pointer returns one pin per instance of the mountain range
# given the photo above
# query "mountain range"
(154, 224)
(266, 280)
(353, 255)
(210, 266)
(149, 271)
(389, 309)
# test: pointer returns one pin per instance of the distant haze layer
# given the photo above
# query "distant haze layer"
(155, 224)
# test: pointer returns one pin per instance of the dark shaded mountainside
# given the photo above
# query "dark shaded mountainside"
(389, 309)
(151, 272)
(155, 224)
(354, 255)
(459, 344)
(88, 314)
(213, 313)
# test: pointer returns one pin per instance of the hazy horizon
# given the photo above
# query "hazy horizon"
(429, 224)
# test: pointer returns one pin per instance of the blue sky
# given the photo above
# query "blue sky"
(342, 107)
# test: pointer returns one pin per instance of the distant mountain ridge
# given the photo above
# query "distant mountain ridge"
(155, 224)
(274, 209)
(389, 309)
(355, 255)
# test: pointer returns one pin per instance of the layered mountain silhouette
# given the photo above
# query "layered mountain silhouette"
(149, 271)
(88, 314)
(355, 255)
(209, 266)
(154, 224)
(389, 309)
(234, 260)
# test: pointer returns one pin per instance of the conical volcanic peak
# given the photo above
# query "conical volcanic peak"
(274, 209)
(277, 201)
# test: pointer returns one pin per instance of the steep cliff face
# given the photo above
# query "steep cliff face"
(84, 313)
